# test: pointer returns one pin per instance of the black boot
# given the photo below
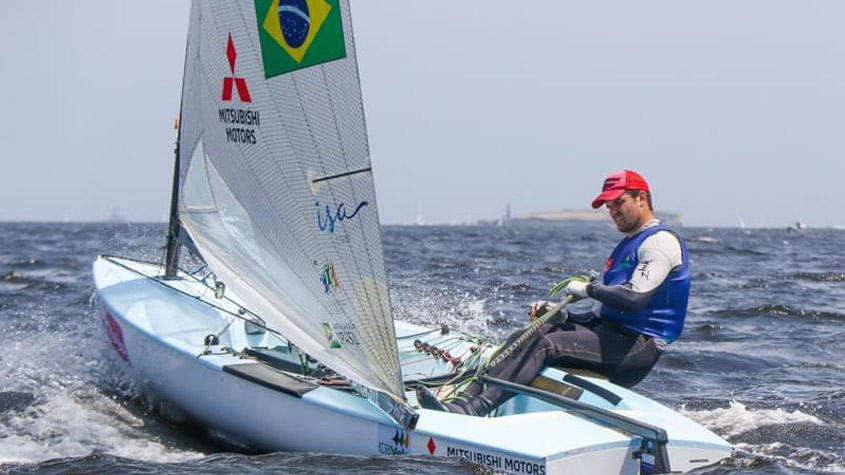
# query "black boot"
(430, 401)
(475, 406)
(460, 406)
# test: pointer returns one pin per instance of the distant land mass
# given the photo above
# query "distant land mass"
(592, 215)
(116, 216)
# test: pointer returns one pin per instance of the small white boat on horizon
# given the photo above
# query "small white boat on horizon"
(799, 227)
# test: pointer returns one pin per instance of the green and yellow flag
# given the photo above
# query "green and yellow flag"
(296, 34)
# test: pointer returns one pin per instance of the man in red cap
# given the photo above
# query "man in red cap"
(640, 307)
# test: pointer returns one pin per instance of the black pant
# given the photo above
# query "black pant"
(624, 356)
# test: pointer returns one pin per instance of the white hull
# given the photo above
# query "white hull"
(160, 329)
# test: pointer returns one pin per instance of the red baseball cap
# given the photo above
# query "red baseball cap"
(618, 183)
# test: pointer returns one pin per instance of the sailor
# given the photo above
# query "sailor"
(639, 307)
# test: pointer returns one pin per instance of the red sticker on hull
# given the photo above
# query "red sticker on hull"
(116, 337)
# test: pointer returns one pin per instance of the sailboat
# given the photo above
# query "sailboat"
(799, 227)
(269, 318)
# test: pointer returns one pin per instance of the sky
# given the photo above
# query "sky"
(733, 110)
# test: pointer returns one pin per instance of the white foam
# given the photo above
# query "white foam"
(814, 460)
(75, 424)
(435, 306)
(707, 239)
(11, 287)
(738, 419)
(71, 416)
(473, 320)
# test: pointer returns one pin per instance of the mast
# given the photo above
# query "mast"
(171, 253)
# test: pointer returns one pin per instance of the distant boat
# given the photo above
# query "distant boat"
(507, 217)
(420, 220)
(798, 227)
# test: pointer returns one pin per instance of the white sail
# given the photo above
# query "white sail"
(276, 191)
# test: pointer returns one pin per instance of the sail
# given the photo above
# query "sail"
(276, 189)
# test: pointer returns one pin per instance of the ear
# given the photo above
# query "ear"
(642, 202)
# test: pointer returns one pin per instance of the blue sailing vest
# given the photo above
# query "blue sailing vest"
(663, 316)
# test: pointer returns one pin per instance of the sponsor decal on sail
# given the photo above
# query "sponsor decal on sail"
(339, 334)
(347, 333)
(333, 341)
(329, 278)
(296, 34)
(239, 122)
(232, 82)
(333, 214)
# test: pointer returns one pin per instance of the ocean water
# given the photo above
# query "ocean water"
(761, 361)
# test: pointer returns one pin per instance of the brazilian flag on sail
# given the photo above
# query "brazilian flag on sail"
(296, 34)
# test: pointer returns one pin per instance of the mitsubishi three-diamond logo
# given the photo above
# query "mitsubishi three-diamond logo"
(232, 82)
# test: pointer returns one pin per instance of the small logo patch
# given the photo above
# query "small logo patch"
(334, 343)
(329, 278)
(393, 441)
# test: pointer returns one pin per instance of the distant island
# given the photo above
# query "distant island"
(591, 215)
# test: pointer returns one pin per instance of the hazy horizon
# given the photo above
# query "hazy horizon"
(478, 224)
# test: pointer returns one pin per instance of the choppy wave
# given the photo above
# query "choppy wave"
(705, 239)
(781, 310)
(784, 458)
(68, 423)
(737, 418)
(726, 250)
(746, 251)
(755, 284)
(816, 276)
(835, 365)
(99, 462)
(774, 436)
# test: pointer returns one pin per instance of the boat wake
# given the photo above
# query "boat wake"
(759, 437)
(738, 419)
(66, 396)
(70, 422)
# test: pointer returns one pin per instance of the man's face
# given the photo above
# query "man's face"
(626, 212)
